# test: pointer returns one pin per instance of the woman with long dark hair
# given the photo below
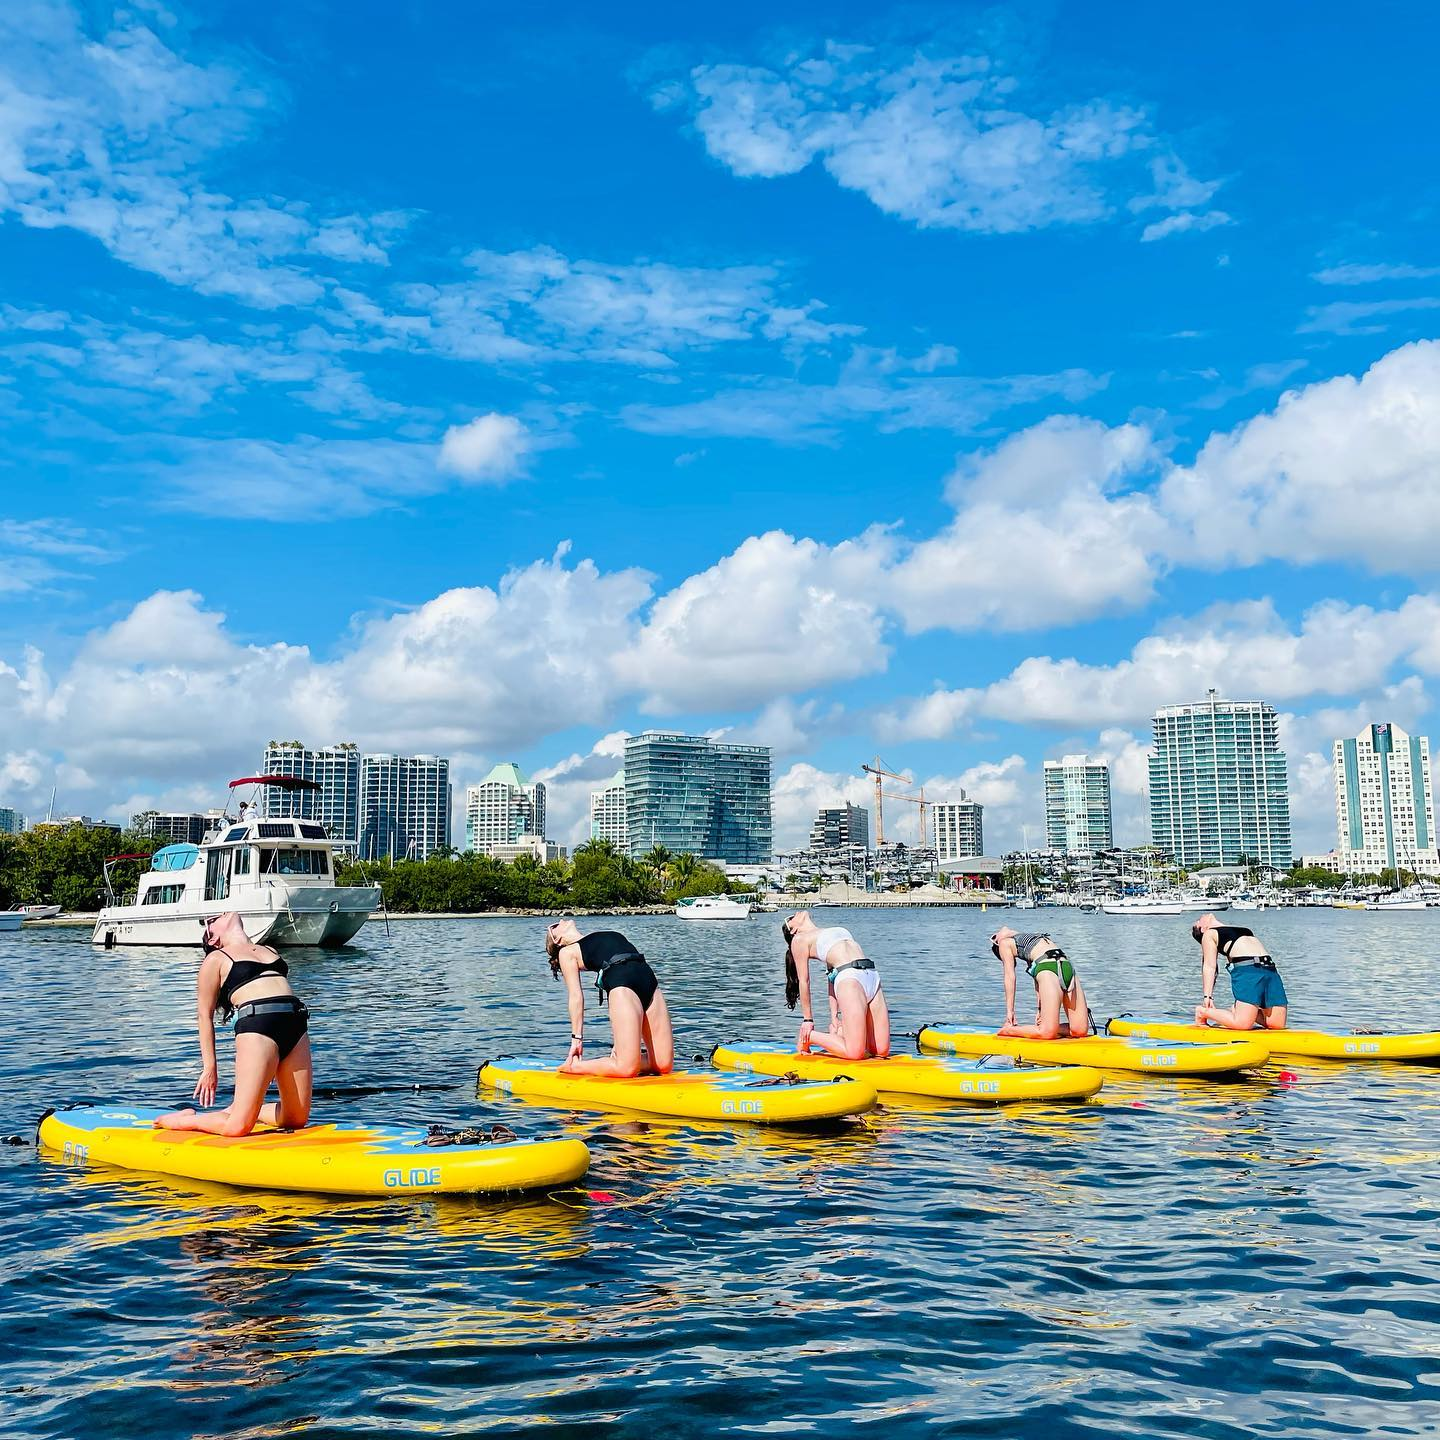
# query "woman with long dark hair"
(629, 989)
(859, 1016)
(248, 982)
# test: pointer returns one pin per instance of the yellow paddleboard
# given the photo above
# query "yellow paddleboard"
(922, 1075)
(340, 1159)
(687, 1094)
(1301, 1044)
(1143, 1056)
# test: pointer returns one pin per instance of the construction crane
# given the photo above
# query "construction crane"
(881, 774)
(924, 805)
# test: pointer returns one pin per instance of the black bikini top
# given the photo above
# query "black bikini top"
(242, 972)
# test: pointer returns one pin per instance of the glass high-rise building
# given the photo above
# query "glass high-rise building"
(690, 793)
(336, 804)
(607, 813)
(1218, 785)
(1077, 806)
(959, 828)
(501, 808)
(404, 806)
(12, 822)
(845, 824)
(186, 827)
(1384, 804)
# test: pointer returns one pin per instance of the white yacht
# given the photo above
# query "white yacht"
(278, 875)
(713, 907)
(1142, 905)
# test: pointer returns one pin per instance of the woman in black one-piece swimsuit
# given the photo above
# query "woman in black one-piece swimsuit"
(644, 1043)
(271, 1040)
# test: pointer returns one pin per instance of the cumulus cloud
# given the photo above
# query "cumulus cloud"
(1245, 650)
(939, 140)
(491, 447)
(778, 614)
(1374, 274)
(1341, 470)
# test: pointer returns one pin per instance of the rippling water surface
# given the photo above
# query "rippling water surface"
(1217, 1260)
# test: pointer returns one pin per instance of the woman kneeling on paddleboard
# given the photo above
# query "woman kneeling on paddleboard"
(1254, 980)
(1057, 986)
(271, 1044)
(639, 1020)
(859, 1016)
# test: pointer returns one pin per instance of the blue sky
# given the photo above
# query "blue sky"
(957, 383)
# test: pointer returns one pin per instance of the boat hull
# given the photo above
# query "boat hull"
(323, 915)
(11, 919)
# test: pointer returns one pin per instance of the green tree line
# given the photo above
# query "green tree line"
(598, 877)
(65, 864)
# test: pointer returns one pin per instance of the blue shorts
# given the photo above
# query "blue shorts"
(1257, 985)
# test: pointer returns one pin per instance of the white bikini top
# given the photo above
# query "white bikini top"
(826, 939)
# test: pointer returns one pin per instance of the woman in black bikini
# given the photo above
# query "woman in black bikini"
(639, 1018)
(271, 1044)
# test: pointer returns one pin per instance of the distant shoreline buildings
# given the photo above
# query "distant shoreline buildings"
(1384, 803)
(1078, 818)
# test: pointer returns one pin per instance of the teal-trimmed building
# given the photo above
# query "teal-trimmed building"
(1218, 784)
(691, 793)
(1384, 804)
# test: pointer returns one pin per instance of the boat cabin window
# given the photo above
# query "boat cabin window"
(242, 861)
(290, 861)
(163, 895)
(312, 832)
(271, 831)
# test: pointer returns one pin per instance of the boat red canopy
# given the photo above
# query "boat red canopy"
(281, 782)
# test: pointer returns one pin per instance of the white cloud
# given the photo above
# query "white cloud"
(1341, 470)
(777, 616)
(1360, 317)
(568, 784)
(1183, 223)
(1374, 274)
(939, 140)
(490, 448)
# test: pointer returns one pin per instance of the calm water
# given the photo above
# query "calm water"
(1257, 1258)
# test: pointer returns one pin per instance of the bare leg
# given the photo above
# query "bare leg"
(256, 1060)
(1275, 1017)
(295, 1079)
(1047, 1021)
(659, 1037)
(877, 1032)
(627, 1021)
(1242, 1017)
(1077, 1013)
(849, 1037)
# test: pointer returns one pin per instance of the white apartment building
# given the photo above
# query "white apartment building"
(334, 768)
(404, 806)
(1384, 804)
(501, 808)
(607, 813)
(1077, 806)
(959, 828)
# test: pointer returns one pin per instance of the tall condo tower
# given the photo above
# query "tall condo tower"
(404, 806)
(845, 824)
(1218, 787)
(335, 769)
(959, 828)
(1077, 805)
(607, 813)
(503, 807)
(1384, 806)
(688, 792)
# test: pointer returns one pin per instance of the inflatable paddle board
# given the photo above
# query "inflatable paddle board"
(1293, 1044)
(332, 1159)
(1148, 1057)
(686, 1094)
(921, 1075)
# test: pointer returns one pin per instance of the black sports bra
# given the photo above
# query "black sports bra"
(242, 972)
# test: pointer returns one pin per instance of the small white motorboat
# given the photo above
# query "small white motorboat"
(713, 907)
(39, 912)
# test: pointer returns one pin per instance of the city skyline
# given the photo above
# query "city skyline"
(701, 403)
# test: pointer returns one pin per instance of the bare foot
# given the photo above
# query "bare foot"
(175, 1120)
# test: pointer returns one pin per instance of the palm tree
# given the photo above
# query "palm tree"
(684, 867)
(599, 849)
(659, 858)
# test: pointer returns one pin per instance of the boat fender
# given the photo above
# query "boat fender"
(109, 939)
